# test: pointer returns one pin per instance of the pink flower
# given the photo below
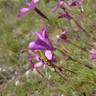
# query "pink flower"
(37, 62)
(65, 15)
(43, 43)
(63, 36)
(30, 6)
(93, 54)
(59, 4)
(50, 55)
(74, 3)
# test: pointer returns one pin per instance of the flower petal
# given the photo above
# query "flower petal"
(36, 1)
(48, 54)
(42, 34)
(65, 15)
(43, 39)
(74, 3)
(93, 56)
(23, 11)
(63, 35)
(58, 5)
(42, 42)
(37, 57)
(34, 46)
(38, 64)
(31, 4)
(93, 51)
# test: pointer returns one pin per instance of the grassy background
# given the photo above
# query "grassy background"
(15, 33)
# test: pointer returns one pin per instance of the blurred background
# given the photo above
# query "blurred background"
(16, 79)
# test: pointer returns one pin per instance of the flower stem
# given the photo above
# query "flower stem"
(83, 49)
(79, 26)
(40, 73)
(61, 68)
(75, 60)
(41, 13)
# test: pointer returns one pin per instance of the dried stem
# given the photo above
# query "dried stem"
(75, 60)
(58, 71)
(40, 72)
(83, 49)
(41, 13)
(79, 26)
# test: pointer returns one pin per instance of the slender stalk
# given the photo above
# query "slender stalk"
(41, 13)
(61, 68)
(81, 10)
(40, 72)
(70, 42)
(83, 49)
(58, 71)
(86, 32)
(75, 60)
(79, 26)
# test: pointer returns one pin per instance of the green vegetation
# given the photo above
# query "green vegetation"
(15, 33)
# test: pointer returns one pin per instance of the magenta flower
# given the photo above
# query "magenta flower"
(58, 5)
(74, 3)
(38, 62)
(65, 15)
(93, 54)
(50, 55)
(30, 6)
(63, 36)
(43, 43)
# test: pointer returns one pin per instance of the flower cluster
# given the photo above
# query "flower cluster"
(31, 6)
(41, 51)
(42, 43)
